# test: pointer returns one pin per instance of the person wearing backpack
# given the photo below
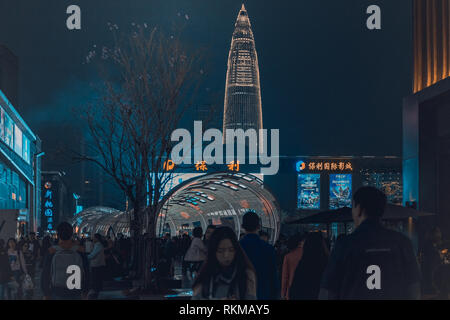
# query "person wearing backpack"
(58, 280)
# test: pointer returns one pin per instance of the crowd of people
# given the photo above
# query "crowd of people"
(30, 264)
(373, 262)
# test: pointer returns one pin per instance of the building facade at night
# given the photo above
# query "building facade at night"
(242, 105)
(426, 134)
(9, 75)
(18, 166)
(431, 42)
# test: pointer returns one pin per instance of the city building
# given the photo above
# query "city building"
(19, 166)
(426, 135)
(93, 185)
(9, 75)
(431, 42)
(242, 105)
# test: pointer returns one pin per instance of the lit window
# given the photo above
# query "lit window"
(26, 149)
(9, 127)
(18, 140)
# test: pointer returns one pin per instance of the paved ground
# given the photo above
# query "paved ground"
(115, 290)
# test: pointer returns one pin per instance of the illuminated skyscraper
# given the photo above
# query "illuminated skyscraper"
(431, 42)
(242, 106)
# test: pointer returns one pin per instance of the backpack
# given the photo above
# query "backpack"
(62, 259)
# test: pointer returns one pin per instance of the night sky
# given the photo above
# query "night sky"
(329, 84)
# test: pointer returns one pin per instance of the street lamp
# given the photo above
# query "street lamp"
(36, 189)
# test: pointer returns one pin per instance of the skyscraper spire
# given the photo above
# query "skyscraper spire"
(242, 105)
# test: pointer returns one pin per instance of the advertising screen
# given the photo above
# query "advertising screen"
(340, 190)
(388, 182)
(308, 191)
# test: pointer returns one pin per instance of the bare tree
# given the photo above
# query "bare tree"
(149, 80)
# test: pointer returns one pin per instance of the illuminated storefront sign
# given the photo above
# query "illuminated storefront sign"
(233, 166)
(324, 166)
(49, 206)
(300, 166)
(168, 165)
(201, 166)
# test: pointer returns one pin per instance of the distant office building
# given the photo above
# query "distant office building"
(18, 166)
(209, 115)
(95, 187)
(242, 105)
(431, 42)
(9, 74)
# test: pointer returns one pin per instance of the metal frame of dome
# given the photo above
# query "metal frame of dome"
(101, 220)
(216, 195)
(211, 196)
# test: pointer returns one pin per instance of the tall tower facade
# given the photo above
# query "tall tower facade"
(431, 42)
(242, 105)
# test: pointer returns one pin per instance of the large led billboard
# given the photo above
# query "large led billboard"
(308, 191)
(388, 182)
(340, 190)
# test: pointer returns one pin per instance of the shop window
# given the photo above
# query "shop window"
(9, 134)
(26, 149)
(18, 141)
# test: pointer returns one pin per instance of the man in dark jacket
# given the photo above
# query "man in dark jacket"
(262, 256)
(372, 262)
(66, 245)
(35, 246)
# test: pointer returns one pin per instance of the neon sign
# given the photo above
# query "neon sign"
(324, 166)
(48, 205)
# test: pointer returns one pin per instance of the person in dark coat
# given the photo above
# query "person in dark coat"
(262, 256)
(373, 262)
(308, 274)
(5, 270)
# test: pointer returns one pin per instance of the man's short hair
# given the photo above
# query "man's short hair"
(197, 232)
(64, 231)
(371, 200)
(250, 221)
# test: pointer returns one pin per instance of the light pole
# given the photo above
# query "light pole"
(37, 189)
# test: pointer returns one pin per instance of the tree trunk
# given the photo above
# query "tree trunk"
(151, 256)
(136, 234)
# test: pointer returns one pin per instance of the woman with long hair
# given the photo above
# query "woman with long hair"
(227, 273)
(308, 274)
(17, 263)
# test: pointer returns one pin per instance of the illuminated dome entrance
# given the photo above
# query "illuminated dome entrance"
(219, 199)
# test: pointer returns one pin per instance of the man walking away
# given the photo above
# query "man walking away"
(372, 262)
(64, 274)
(263, 257)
